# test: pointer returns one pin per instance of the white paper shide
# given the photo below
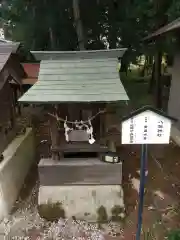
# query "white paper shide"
(147, 127)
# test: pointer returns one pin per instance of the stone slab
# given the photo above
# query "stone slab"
(79, 172)
(83, 202)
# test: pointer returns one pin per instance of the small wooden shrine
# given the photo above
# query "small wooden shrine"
(79, 90)
(11, 74)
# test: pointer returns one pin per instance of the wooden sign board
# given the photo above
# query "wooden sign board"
(146, 127)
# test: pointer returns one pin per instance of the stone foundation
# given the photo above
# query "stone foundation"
(91, 203)
(87, 189)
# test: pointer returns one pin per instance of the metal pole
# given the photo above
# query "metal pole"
(141, 189)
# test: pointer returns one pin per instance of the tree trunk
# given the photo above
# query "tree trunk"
(50, 28)
(51, 37)
(78, 24)
(158, 78)
(150, 65)
(161, 18)
(152, 80)
(33, 44)
(144, 67)
(112, 31)
(124, 65)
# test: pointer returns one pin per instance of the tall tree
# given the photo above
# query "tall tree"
(78, 25)
(66, 24)
(41, 25)
(161, 18)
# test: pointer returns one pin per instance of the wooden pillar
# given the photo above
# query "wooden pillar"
(12, 107)
(102, 119)
(102, 125)
(158, 78)
(54, 138)
(108, 121)
(19, 93)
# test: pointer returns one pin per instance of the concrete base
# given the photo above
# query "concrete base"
(18, 158)
(85, 202)
(88, 171)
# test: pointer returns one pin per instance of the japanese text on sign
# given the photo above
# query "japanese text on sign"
(145, 135)
(146, 128)
(160, 129)
(131, 131)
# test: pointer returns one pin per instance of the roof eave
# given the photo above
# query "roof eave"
(148, 108)
(174, 25)
(57, 55)
(54, 102)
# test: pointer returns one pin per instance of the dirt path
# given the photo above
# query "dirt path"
(162, 190)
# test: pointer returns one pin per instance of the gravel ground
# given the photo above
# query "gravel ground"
(25, 222)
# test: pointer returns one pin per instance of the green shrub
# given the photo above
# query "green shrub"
(174, 235)
(51, 211)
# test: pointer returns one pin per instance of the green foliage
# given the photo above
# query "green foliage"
(49, 25)
(174, 235)
(116, 213)
(40, 25)
(174, 9)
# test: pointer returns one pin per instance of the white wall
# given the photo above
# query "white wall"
(18, 158)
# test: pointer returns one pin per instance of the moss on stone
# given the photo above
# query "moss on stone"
(51, 211)
(102, 215)
(86, 214)
(116, 212)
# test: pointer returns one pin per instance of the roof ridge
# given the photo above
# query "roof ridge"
(166, 28)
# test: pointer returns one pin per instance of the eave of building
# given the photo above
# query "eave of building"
(77, 80)
(165, 29)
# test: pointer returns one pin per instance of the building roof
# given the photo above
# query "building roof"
(77, 80)
(16, 48)
(15, 72)
(8, 58)
(167, 28)
(58, 55)
(29, 81)
(6, 49)
(31, 69)
(2, 40)
(148, 108)
(9, 47)
(3, 59)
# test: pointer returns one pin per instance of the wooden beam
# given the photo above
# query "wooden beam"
(54, 137)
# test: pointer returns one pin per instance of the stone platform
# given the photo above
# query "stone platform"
(86, 188)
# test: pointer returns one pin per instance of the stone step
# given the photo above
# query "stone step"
(86, 171)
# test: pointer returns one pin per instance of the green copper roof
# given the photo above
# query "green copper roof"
(77, 80)
(87, 54)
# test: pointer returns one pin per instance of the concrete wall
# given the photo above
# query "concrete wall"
(18, 158)
(174, 97)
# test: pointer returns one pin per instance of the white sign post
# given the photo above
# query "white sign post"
(145, 126)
